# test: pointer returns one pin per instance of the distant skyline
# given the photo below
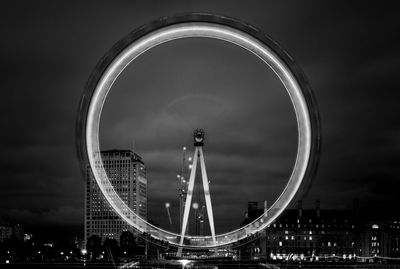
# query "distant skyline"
(349, 53)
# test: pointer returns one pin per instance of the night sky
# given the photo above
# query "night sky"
(349, 52)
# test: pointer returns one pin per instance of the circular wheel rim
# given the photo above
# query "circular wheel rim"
(207, 26)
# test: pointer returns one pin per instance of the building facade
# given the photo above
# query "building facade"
(322, 235)
(311, 234)
(10, 231)
(379, 239)
(127, 174)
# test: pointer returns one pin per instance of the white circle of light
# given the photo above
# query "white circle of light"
(207, 30)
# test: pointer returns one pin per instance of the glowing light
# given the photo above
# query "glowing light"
(167, 205)
(195, 205)
(184, 262)
(84, 251)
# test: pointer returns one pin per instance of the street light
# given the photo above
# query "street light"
(167, 206)
(184, 262)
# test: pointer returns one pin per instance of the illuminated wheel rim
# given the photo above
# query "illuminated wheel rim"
(207, 26)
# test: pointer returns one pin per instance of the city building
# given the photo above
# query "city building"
(127, 173)
(311, 234)
(11, 231)
(321, 235)
(379, 239)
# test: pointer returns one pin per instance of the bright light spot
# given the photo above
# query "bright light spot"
(84, 251)
(190, 159)
(167, 205)
(7, 261)
(190, 166)
(178, 176)
(184, 148)
(195, 205)
(375, 226)
(184, 262)
(38, 252)
(61, 253)
(125, 252)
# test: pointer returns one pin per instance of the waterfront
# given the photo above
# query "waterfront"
(202, 265)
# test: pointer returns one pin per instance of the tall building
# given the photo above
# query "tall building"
(127, 174)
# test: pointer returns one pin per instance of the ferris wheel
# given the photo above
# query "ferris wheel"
(204, 26)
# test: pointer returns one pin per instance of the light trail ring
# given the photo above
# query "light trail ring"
(207, 26)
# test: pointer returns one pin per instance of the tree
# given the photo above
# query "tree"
(112, 248)
(94, 246)
(128, 243)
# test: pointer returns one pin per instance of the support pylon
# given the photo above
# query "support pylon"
(198, 154)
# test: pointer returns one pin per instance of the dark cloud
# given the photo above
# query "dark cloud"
(349, 52)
